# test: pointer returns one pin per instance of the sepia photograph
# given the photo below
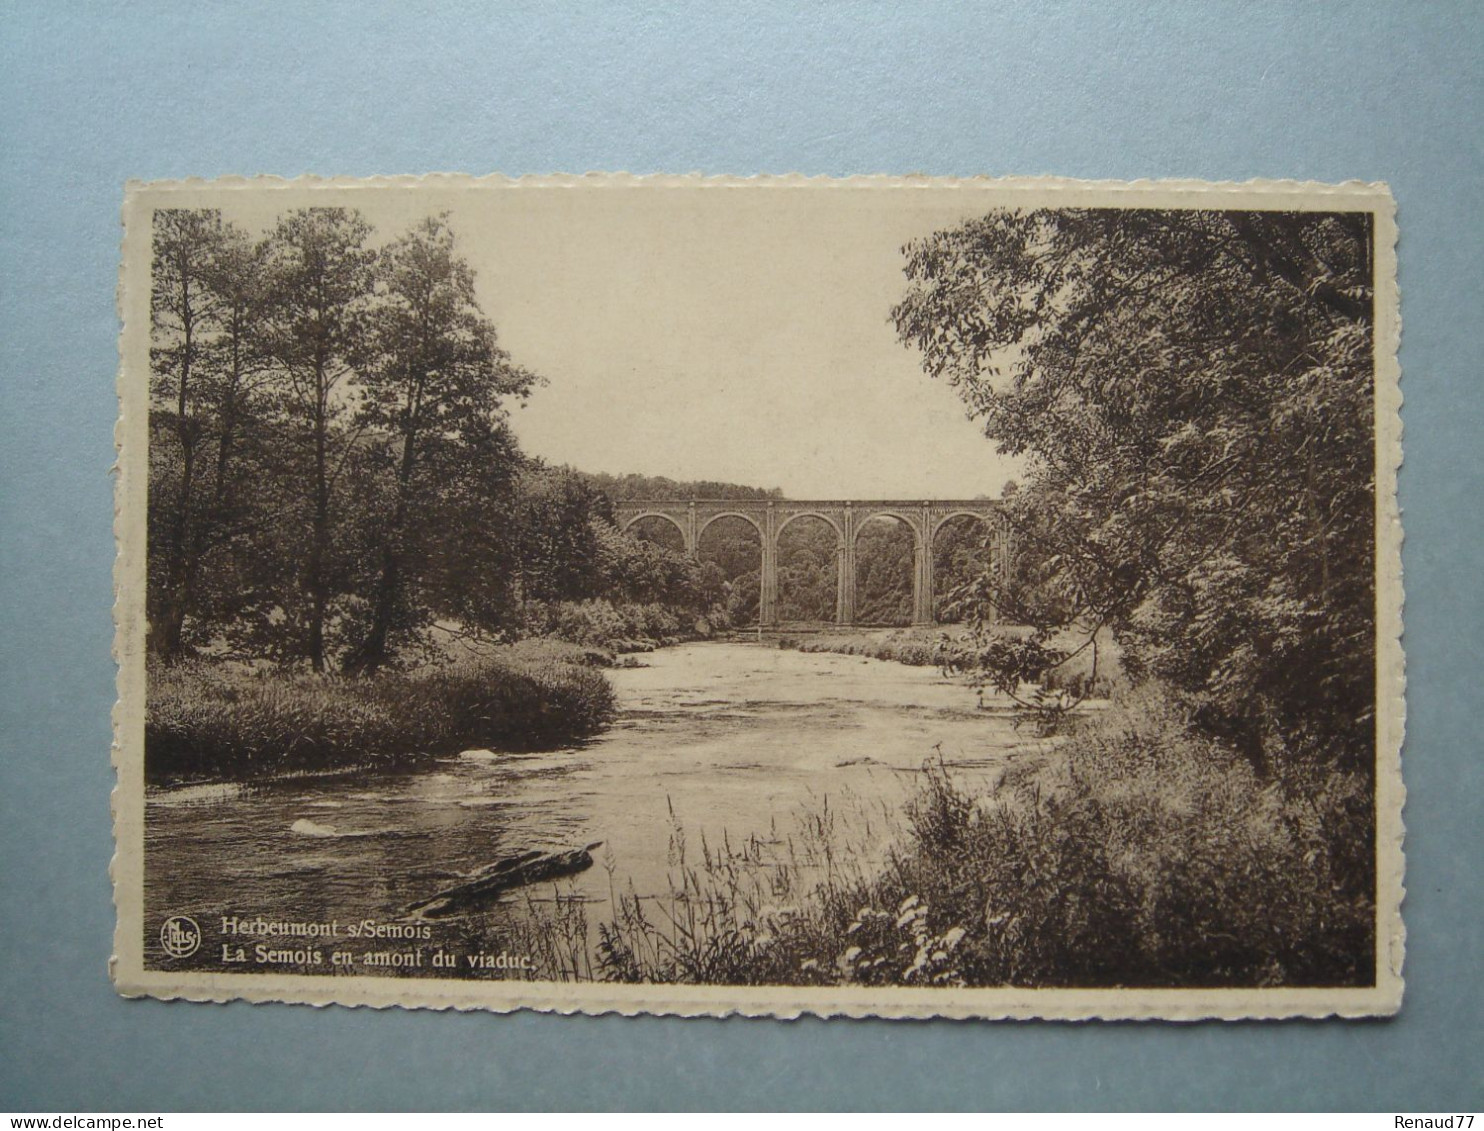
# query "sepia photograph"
(897, 597)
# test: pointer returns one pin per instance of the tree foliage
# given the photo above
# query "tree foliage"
(332, 471)
(316, 332)
(436, 388)
(884, 551)
(206, 375)
(1192, 391)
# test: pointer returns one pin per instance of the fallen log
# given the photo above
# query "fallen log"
(488, 884)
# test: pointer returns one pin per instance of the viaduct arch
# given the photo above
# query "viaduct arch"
(846, 516)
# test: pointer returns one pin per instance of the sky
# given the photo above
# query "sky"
(717, 332)
(726, 334)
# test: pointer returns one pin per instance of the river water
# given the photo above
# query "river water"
(723, 741)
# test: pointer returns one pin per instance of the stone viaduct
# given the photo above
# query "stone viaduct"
(846, 516)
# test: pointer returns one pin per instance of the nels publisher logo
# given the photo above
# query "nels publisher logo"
(180, 936)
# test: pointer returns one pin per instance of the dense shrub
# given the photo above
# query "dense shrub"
(1144, 853)
(618, 627)
(209, 721)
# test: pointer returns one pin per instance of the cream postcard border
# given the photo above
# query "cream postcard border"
(131, 436)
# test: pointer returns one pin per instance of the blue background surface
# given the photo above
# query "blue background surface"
(91, 95)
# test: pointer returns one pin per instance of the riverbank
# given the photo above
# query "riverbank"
(915, 647)
(1137, 852)
(212, 721)
(766, 816)
(945, 646)
(720, 739)
(619, 628)
(215, 720)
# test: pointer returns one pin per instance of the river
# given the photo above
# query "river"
(719, 741)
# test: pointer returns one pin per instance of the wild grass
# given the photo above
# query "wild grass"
(1136, 853)
(750, 913)
(211, 721)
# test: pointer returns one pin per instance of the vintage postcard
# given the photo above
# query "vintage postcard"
(895, 597)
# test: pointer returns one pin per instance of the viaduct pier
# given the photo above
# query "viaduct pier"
(846, 517)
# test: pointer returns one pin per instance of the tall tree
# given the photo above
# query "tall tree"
(438, 382)
(204, 365)
(469, 537)
(1193, 391)
(318, 333)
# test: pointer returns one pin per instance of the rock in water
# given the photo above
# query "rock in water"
(305, 827)
(486, 885)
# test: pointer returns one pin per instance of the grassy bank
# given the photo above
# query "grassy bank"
(944, 647)
(1137, 853)
(205, 721)
(914, 647)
